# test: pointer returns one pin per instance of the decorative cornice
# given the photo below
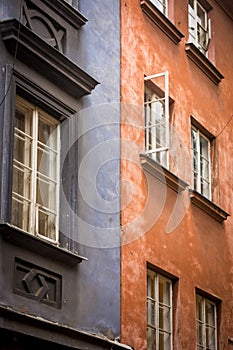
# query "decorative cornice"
(66, 11)
(49, 62)
(208, 206)
(23, 239)
(161, 21)
(162, 174)
(203, 63)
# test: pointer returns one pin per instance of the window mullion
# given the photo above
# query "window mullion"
(198, 162)
(57, 181)
(196, 22)
(33, 223)
(157, 309)
(204, 322)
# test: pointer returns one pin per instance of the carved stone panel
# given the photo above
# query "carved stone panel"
(38, 284)
(43, 25)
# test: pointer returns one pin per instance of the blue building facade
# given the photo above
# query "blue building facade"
(59, 155)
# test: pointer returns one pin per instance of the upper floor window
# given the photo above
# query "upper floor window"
(35, 194)
(206, 323)
(199, 26)
(161, 5)
(200, 146)
(156, 104)
(159, 312)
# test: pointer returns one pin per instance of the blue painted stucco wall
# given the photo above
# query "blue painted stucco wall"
(99, 170)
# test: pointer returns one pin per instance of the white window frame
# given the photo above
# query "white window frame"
(151, 123)
(156, 278)
(197, 173)
(161, 5)
(206, 29)
(202, 325)
(34, 207)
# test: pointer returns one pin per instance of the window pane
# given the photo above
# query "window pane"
(200, 339)
(164, 341)
(47, 133)
(164, 318)
(164, 291)
(201, 16)
(210, 313)
(20, 213)
(46, 224)
(22, 181)
(210, 338)
(46, 193)
(47, 162)
(151, 339)
(160, 4)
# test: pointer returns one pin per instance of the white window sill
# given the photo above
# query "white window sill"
(162, 174)
(208, 206)
(203, 63)
(161, 21)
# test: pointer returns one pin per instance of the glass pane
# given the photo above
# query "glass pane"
(46, 194)
(199, 309)
(46, 224)
(201, 16)
(210, 338)
(22, 181)
(164, 341)
(164, 291)
(200, 330)
(47, 162)
(151, 339)
(20, 213)
(160, 4)
(164, 318)
(47, 133)
(193, 139)
(210, 313)
(151, 317)
(23, 120)
(204, 147)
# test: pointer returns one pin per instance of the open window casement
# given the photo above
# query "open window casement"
(199, 26)
(156, 104)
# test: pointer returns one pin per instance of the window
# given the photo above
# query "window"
(157, 121)
(161, 5)
(199, 26)
(200, 146)
(35, 194)
(206, 321)
(159, 312)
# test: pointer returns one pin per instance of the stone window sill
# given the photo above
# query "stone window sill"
(161, 21)
(203, 63)
(162, 174)
(208, 206)
(39, 55)
(39, 246)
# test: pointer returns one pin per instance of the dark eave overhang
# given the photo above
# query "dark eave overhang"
(49, 62)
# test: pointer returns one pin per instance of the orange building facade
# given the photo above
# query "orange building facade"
(176, 172)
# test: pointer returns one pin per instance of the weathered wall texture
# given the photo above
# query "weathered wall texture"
(99, 213)
(198, 251)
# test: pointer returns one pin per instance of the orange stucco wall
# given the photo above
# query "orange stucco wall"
(198, 251)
